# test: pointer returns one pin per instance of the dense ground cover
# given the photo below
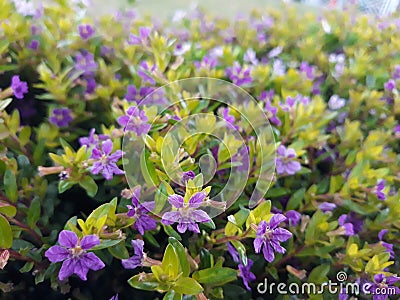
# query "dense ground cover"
(278, 161)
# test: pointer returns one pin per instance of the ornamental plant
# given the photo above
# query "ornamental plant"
(197, 157)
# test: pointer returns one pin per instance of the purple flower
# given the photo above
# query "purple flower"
(396, 131)
(388, 246)
(105, 162)
(348, 227)
(137, 259)
(143, 71)
(275, 52)
(182, 48)
(396, 72)
(383, 287)
(61, 117)
(209, 62)
(188, 175)
(186, 215)
(230, 119)
(390, 85)
(144, 33)
(239, 75)
(93, 139)
(19, 87)
(85, 63)
(354, 220)
(135, 95)
(115, 297)
(135, 120)
(292, 101)
(73, 253)
(379, 190)
(90, 85)
(246, 274)
(34, 45)
(335, 102)
(85, 31)
(139, 211)
(326, 206)
(271, 112)
(307, 69)
(293, 217)
(269, 236)
(232, 251)
(278, 68)
(285, 163)
(250, 57)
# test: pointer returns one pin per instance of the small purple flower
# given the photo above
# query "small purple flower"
(335, 102)
(135, 120)
(143, 71)
(348, 227)
(34, 45)
(187, 215)
(85, 63)
(390, 85)
(142, 38)
(207, 63)
(182, 48)
(396, 131)
(307, 69)
(269, 236)
(232, 251)
(379, 190)
(73, 253)
(388, 246)
(230, 119)
(137, 259)
(86, 31)
(188, 175)
(90, 85)
(278, 67)
(139, 211)
(239, 75)
(285, 163)
(93, 139)
(353, 219)
(291, 102)
(383, 287)
(115, 297)
(293, 217)
(105, 162)
(396, 72)
(246, 274)
(250, 57)
(61, 117)
(271, 112)
(19, 87)
(326, 206)
(275, 52)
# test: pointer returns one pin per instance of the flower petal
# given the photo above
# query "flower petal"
(182, 227)
(197, 199)
(89, 241)
(91, 261)
(138, 247)
(68, 239)
(56, 254)
(268, 253)
(176, 200)
(107, 147)
(67, 269)
(132, 262)
(200, 216)
(171, 217)
(276, 220)
(258, 242)
(282, 234)
(81, 269)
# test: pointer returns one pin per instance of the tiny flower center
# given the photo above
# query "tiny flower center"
(268, 233)
(77, 251)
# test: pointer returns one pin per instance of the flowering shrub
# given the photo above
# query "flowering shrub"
(198, 157)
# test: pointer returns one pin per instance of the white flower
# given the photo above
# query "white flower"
(335, 102)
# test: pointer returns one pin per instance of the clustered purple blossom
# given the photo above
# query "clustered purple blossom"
(34, 45)
(105, 162)
(291, 102)
(142, 38)
(239, 75)
(135, 120)
(285, 161)
(383, 287)
(388, 246)
(140, 212)
(244, 270)
(269, 236)
(308, 70)
(208, 62)
(379, 190)
(85, 63)
(93, 139)
(144, 70)
(61, 117)
(230, 119)
(187, 215)
(327, 206)
(355, 221)
(73, 252)
(18, 87)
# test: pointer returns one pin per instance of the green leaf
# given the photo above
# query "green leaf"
(64, 185)
(187, 286)
(241, 249)
(7, 209)
(6, 235)
(4, 103)
(146, 282)
(182, 256)
(89, 185)
(106, 244)
(150, 239)
(206, 259)
(33, 212)
(170, 263)
(27, 267)
(172, 295)
(119, 251)
(319, 274)
(295, 200)
(171, 232)
(215, 276)
(10, 186)
(148, 170)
